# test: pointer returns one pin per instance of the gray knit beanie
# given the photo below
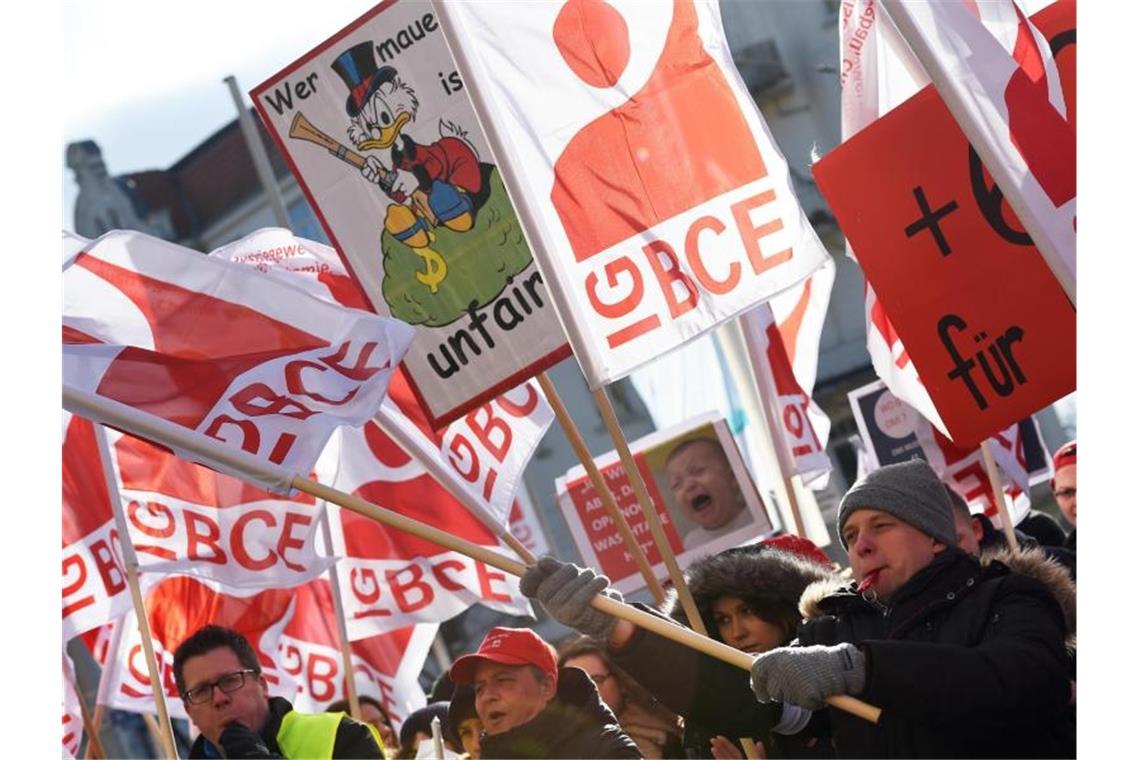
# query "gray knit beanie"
(911, 492)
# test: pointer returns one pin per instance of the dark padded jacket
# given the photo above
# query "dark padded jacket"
(353, 738)
(576, 723)
(716, 698)
(966, 661)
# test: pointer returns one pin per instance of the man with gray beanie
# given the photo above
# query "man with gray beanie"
(964, 660)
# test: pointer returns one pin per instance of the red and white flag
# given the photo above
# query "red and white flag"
(72, 713)
(994, 70)
(965, 471)
(645, 176)
(386, 666)
(187, 519)
(391, 578)
(176, 608)
(481, 455)
(782, 337)
(877, 73)
(94, 576)
(216, 348)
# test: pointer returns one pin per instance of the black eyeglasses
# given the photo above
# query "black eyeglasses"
(228, 683)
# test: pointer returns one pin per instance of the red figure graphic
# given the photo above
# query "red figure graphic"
(678, 142)
(1045, 140)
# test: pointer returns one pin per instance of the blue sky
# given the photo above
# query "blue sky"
(145, 79)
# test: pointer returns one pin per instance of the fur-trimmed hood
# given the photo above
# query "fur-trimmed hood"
(757, 574)
(1032, 563)
(1035, 563)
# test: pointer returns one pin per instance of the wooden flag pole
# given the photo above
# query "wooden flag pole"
(609, 503)
(341, 624)
(517, 547)
(257, 471)
(96, 721)
(109, 662)
(131, 560)
(647, 508)
(999, 496)
(94, 746)
(659, 625)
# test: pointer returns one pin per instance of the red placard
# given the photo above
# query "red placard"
(989, 329)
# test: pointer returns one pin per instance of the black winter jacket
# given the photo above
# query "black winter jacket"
(716, 698)
(353, 739)
(576, 723)
(966, 661)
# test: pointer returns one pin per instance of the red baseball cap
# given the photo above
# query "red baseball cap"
(508, 646)
(1065, 456)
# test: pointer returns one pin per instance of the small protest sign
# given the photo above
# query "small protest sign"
(987, 326)
(699, 485)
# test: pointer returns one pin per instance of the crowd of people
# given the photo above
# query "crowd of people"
(967, 645)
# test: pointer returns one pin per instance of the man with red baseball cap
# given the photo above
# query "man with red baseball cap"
(530, 708)
(1064, 485)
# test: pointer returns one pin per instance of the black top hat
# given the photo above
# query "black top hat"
(357, 67)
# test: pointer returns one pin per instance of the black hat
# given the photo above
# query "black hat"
(460, 708)
(420, 721)
(357, 67)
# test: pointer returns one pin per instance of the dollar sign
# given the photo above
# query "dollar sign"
(436, 268)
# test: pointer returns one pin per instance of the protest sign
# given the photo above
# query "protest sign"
(703, 494)
(990, 332)
(377, 128)
(994, 71)
(646, 178)
(385, 667)
(220, 350)
(893, 432)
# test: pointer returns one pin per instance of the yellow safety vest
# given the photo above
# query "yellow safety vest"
(311, 736)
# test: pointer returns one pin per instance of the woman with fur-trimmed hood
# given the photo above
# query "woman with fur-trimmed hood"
(748, 598)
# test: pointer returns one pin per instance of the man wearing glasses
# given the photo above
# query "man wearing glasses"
(219, 677)
(1064, 485)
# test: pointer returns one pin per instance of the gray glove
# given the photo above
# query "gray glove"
(805, 675)
(565, 591)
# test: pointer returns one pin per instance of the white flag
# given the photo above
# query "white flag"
(657, 202)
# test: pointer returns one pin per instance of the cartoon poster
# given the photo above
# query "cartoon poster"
(377, 127)
(704, 496)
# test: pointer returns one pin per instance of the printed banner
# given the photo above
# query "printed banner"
(782, 339)
(394, 579)
(892, 432)
(72, 713)
(385, 667)
(995, 69)
(94, 576)
(985, 323)
(657, 201)
(185, 518)
(221, 349)
(703, 494)
(481, 454)
(379, 132)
